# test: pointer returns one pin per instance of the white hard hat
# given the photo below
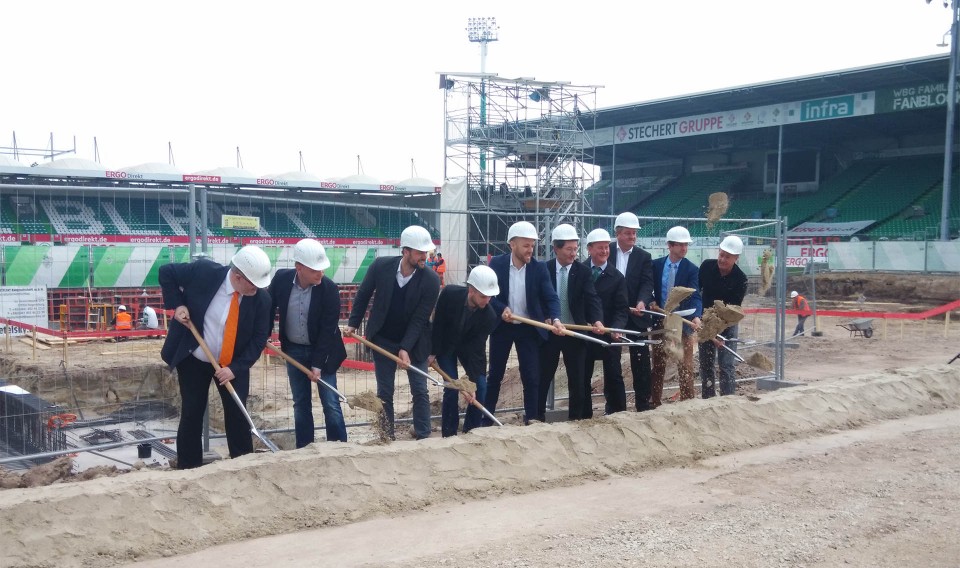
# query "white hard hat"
(121, 308)
(598, 235)
(310, 253)
(253, 263)
(794, 294)
(484, 279)
(732, 245)
(564, 232)
(522, 229)
(627, 220)
(678, 234)
(417, 238)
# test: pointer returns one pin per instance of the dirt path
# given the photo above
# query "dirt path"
(884, 495)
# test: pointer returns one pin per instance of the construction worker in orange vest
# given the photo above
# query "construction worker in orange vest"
(800, 304)
(123, 321)
(441, 268)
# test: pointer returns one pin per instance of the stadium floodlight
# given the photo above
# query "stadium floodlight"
(482, 30)
(951, 106)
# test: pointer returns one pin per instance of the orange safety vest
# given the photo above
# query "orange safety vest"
(800, 304)
(124, 321)
(441, 267)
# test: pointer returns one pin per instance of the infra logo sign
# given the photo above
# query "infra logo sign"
(824, 109)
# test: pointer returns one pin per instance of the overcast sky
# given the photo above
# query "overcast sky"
(340, 79)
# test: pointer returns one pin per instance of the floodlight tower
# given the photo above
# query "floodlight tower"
(483, 31)
(954, 32)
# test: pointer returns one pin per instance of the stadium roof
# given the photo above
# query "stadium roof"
(828, 84)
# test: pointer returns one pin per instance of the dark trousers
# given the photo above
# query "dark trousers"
(640, 367)
(801, 320)
(450, 408)
(194, 377)
(614, 391)
(573, 351)
(528, 342)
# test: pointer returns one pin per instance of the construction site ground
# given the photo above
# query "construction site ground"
(860, 467)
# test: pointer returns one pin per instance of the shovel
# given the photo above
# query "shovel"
(568, 332)
(578, 327)
(393, 357)
(305, 371)
(229, 386)
(471, 399)
(735, 354)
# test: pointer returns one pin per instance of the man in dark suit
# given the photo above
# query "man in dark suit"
(406, 293)
(669, 271)
(462, 323)
(525, 291)
(579, 304)
(309, 304)
(612, 290)
(232, 314)
(636, 266)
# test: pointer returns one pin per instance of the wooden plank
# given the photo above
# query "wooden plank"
(29, 342)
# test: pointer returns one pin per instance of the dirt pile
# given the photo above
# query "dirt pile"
(321, 485)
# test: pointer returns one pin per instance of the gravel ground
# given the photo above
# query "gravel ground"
(884, 495)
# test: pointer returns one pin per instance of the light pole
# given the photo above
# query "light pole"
(951, 106)
(483, 31)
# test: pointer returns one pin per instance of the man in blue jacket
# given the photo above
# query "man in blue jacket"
(669, 271)
(231, 310)
(526, 291)
(309, 305)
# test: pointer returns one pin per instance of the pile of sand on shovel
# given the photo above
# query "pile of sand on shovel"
(766, 271)
(718, 203)
(718, 318)
(463, 384)
(675, 296)
(369, 401)
(760, 361)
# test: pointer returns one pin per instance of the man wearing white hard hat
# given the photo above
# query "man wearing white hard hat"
(231, 309)
(721, 279)
(525, 290)
(579, 304)
(671, 270)
(636, 265)
(462, 323)
(612, 290)
(406, 292)
(800, 304)
(309, 304)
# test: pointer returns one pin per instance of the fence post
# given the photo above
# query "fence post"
(946, 323)
(34, 342)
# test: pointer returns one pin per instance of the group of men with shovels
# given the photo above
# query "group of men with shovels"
(583, 312)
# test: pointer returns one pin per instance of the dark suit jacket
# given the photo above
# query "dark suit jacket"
(424, 287)
(581, 295)
(467, 342)
(688, 275)
(327, 350)
(612, 290)
(639, 280)
(542, 300)
(193, 285)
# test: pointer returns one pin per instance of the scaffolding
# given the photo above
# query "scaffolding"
(524, 149)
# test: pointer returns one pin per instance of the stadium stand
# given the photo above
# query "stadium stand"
(685, 197)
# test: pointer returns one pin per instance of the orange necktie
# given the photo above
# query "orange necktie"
(230, 330)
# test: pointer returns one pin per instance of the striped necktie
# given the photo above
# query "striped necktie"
(230, 331)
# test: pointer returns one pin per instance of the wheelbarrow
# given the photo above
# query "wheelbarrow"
(862, 327)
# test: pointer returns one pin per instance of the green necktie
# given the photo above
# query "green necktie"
(596, 273)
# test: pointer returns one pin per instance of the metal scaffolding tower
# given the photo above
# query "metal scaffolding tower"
(523, 147)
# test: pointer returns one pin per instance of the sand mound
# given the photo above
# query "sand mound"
(159, 513)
